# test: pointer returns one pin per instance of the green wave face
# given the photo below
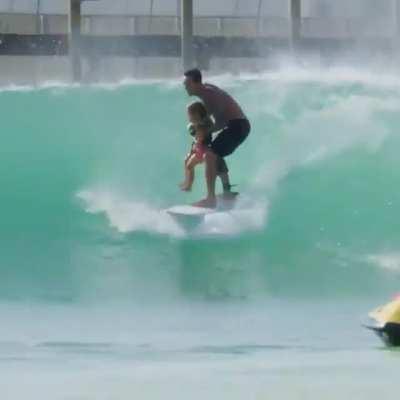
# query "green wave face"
(85, 171)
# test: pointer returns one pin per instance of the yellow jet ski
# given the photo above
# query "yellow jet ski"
(387, 319)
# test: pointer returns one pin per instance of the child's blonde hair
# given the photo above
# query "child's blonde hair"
(197, 108)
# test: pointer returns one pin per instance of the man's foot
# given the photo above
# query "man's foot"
(229, 195)
(208, 202)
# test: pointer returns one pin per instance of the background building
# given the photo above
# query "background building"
(365, 30)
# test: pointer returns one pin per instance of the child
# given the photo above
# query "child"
(201, 128)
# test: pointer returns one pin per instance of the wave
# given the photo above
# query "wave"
(86, 172)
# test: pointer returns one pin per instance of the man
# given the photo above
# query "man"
(230, 121)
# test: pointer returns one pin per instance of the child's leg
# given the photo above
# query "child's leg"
(189, 172)
(184, 183)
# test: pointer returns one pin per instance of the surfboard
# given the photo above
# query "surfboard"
(193, 213)
(189, 211)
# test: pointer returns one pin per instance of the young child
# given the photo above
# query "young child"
(201, 128)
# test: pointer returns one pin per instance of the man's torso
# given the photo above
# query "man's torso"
(220, 105)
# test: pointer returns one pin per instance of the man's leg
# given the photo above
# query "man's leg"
(223, 173)
(210, 160)
(211, 173)
(226, 185)
(225, 144)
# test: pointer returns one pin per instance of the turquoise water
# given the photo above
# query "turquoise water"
(105, 296)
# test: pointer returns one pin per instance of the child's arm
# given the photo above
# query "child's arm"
(201, 135)
(188, 155)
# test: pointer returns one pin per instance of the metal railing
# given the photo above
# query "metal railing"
(229, 26)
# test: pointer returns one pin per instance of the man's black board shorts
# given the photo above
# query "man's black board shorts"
(230, 137)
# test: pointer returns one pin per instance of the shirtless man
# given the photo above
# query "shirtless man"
(230, 121)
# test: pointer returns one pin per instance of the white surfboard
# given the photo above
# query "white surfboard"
(188, 217)
(191, 213)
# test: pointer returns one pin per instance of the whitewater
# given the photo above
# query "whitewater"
(104, 296)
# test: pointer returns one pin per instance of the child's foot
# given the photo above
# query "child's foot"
(185, 187)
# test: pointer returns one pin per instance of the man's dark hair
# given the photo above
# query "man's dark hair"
(194, 74)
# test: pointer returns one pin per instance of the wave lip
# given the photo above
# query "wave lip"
(128, 216)
(386, 261)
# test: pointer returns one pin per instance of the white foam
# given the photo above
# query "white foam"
(290, 74)
(127, 215)
(389, 261)
(246, 216)
(317, 134)
(286, 73)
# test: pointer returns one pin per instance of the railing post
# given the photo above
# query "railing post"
(187, 34)
(149, 26)
(259, 26)
(39, 19)
(397, 13)
(75, 38)
(295, 22)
